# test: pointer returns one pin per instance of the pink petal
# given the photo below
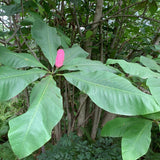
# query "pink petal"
(59, 58)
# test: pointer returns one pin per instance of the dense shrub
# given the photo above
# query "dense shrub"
(73, 147)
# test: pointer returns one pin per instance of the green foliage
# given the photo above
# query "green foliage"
(43, 107)
(157, 47)
(9, 78)
(153, 153)
(155, 143)
(152, 156)
(6, 152)
(101, 84)
(109, 89)
(150, 63)
(85, 64)
(134, 69)
(135, 133)
(153, 7)
(73, 147)
(10, 10)
(6, 111)
(133, 130)
(74, 52)
(105, 90)
(47, 39)
(17, 60)
(154, 86)
(89, 34)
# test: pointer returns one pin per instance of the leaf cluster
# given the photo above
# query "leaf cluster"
(75, 148)
(7, 110)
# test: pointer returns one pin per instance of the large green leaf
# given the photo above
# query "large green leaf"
(74, 52)
(10, 10)
(47, 38)
(134, 69)
(140, 5)
(64, 39)
(113, 93)
(153, 116)
(116, 127)
(136, 140)
(154, 86)
(18, 60)
(31, 130)
(157, 47)
(135, 133)
(86, 65)
(150, 63)
(153, 7)
(12, 81)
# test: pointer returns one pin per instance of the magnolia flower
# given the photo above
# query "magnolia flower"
(59, 58)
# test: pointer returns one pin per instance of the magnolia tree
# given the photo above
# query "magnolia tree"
(106, 86)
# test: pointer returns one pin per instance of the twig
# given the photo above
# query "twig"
(17, 39)
(79, 109)
(16, 30)
(90, 115)
(4, 23)
(5, 43)
(22, 9)
(74, 10)
(2, 41)
(116, 16)
(33, 53)
(141, 16)
(109, 11)
(128, 7)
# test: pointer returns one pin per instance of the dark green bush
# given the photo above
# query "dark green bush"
(6, 153)
(73, 147)
(7, 110)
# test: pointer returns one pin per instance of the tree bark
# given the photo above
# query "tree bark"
(89, 43)
(66, 104)
(97, 18)
(82, 114)
(58, 133)
(96, 120)
(108, 117)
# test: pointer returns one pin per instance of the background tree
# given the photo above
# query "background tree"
(105, 29)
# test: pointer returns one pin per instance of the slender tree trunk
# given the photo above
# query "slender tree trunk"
(96, 120)
(58, 133)
(81, 117)
(89, 43)
(66, 105)
(156, 39)
(107, 117)
(97, 18)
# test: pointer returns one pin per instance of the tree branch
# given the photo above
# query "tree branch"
(33, 53)
(141, 16)
(116, 16)
(126, 7)
(16, 30)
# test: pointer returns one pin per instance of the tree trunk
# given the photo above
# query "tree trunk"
(82, 113)
(96, 120)
(89, 43)
(108, 117)
(66, 105)
(58, 133)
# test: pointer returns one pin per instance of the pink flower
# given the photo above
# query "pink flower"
(59, 58)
